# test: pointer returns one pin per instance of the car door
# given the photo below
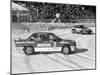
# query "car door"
(55, 42)
(43, 42)
(32, 40)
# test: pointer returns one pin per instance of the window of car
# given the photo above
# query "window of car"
(34, 37)
(44, 37)
(51, 37)
(54, 37)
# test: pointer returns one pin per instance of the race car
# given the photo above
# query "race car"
(81, 29)
(45, 41)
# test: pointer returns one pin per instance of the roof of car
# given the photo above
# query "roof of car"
(43, 32)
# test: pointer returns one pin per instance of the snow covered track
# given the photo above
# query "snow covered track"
(82, 58)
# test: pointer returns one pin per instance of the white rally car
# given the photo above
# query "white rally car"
(45, 41)
(81, 29)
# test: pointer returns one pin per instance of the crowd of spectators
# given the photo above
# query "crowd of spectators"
(67, 11)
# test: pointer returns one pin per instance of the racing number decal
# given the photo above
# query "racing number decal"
(46, 45)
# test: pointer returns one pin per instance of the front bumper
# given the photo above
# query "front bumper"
(73, 48)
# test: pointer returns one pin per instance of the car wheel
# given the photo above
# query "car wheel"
(66, 49)
(81, 32)
(73, 31)
(90, 32)
(29, 50)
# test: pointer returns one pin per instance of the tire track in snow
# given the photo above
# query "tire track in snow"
(42, 65)
(82, 56)
(70, 61)
(86, 44)
(55, 60)
(28, 63)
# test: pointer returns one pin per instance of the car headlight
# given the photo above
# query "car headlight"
(73, 48)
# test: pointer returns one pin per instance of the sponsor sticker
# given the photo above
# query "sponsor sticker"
(24, 42)
(43, 45)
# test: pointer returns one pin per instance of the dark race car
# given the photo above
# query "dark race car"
(81, 29)
(45, 41)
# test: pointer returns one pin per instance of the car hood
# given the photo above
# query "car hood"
(64, 40)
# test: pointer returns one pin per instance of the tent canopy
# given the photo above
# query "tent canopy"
(18, 7)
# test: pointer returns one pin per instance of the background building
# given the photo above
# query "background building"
(21, 14)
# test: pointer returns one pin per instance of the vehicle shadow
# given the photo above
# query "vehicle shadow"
(78, 50)
(48, 52)
(53, 52)
(89, 34)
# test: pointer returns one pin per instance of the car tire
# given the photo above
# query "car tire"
(28, 50)
(81, 32)
(73, 31)
(66, 49)
(90, 32)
